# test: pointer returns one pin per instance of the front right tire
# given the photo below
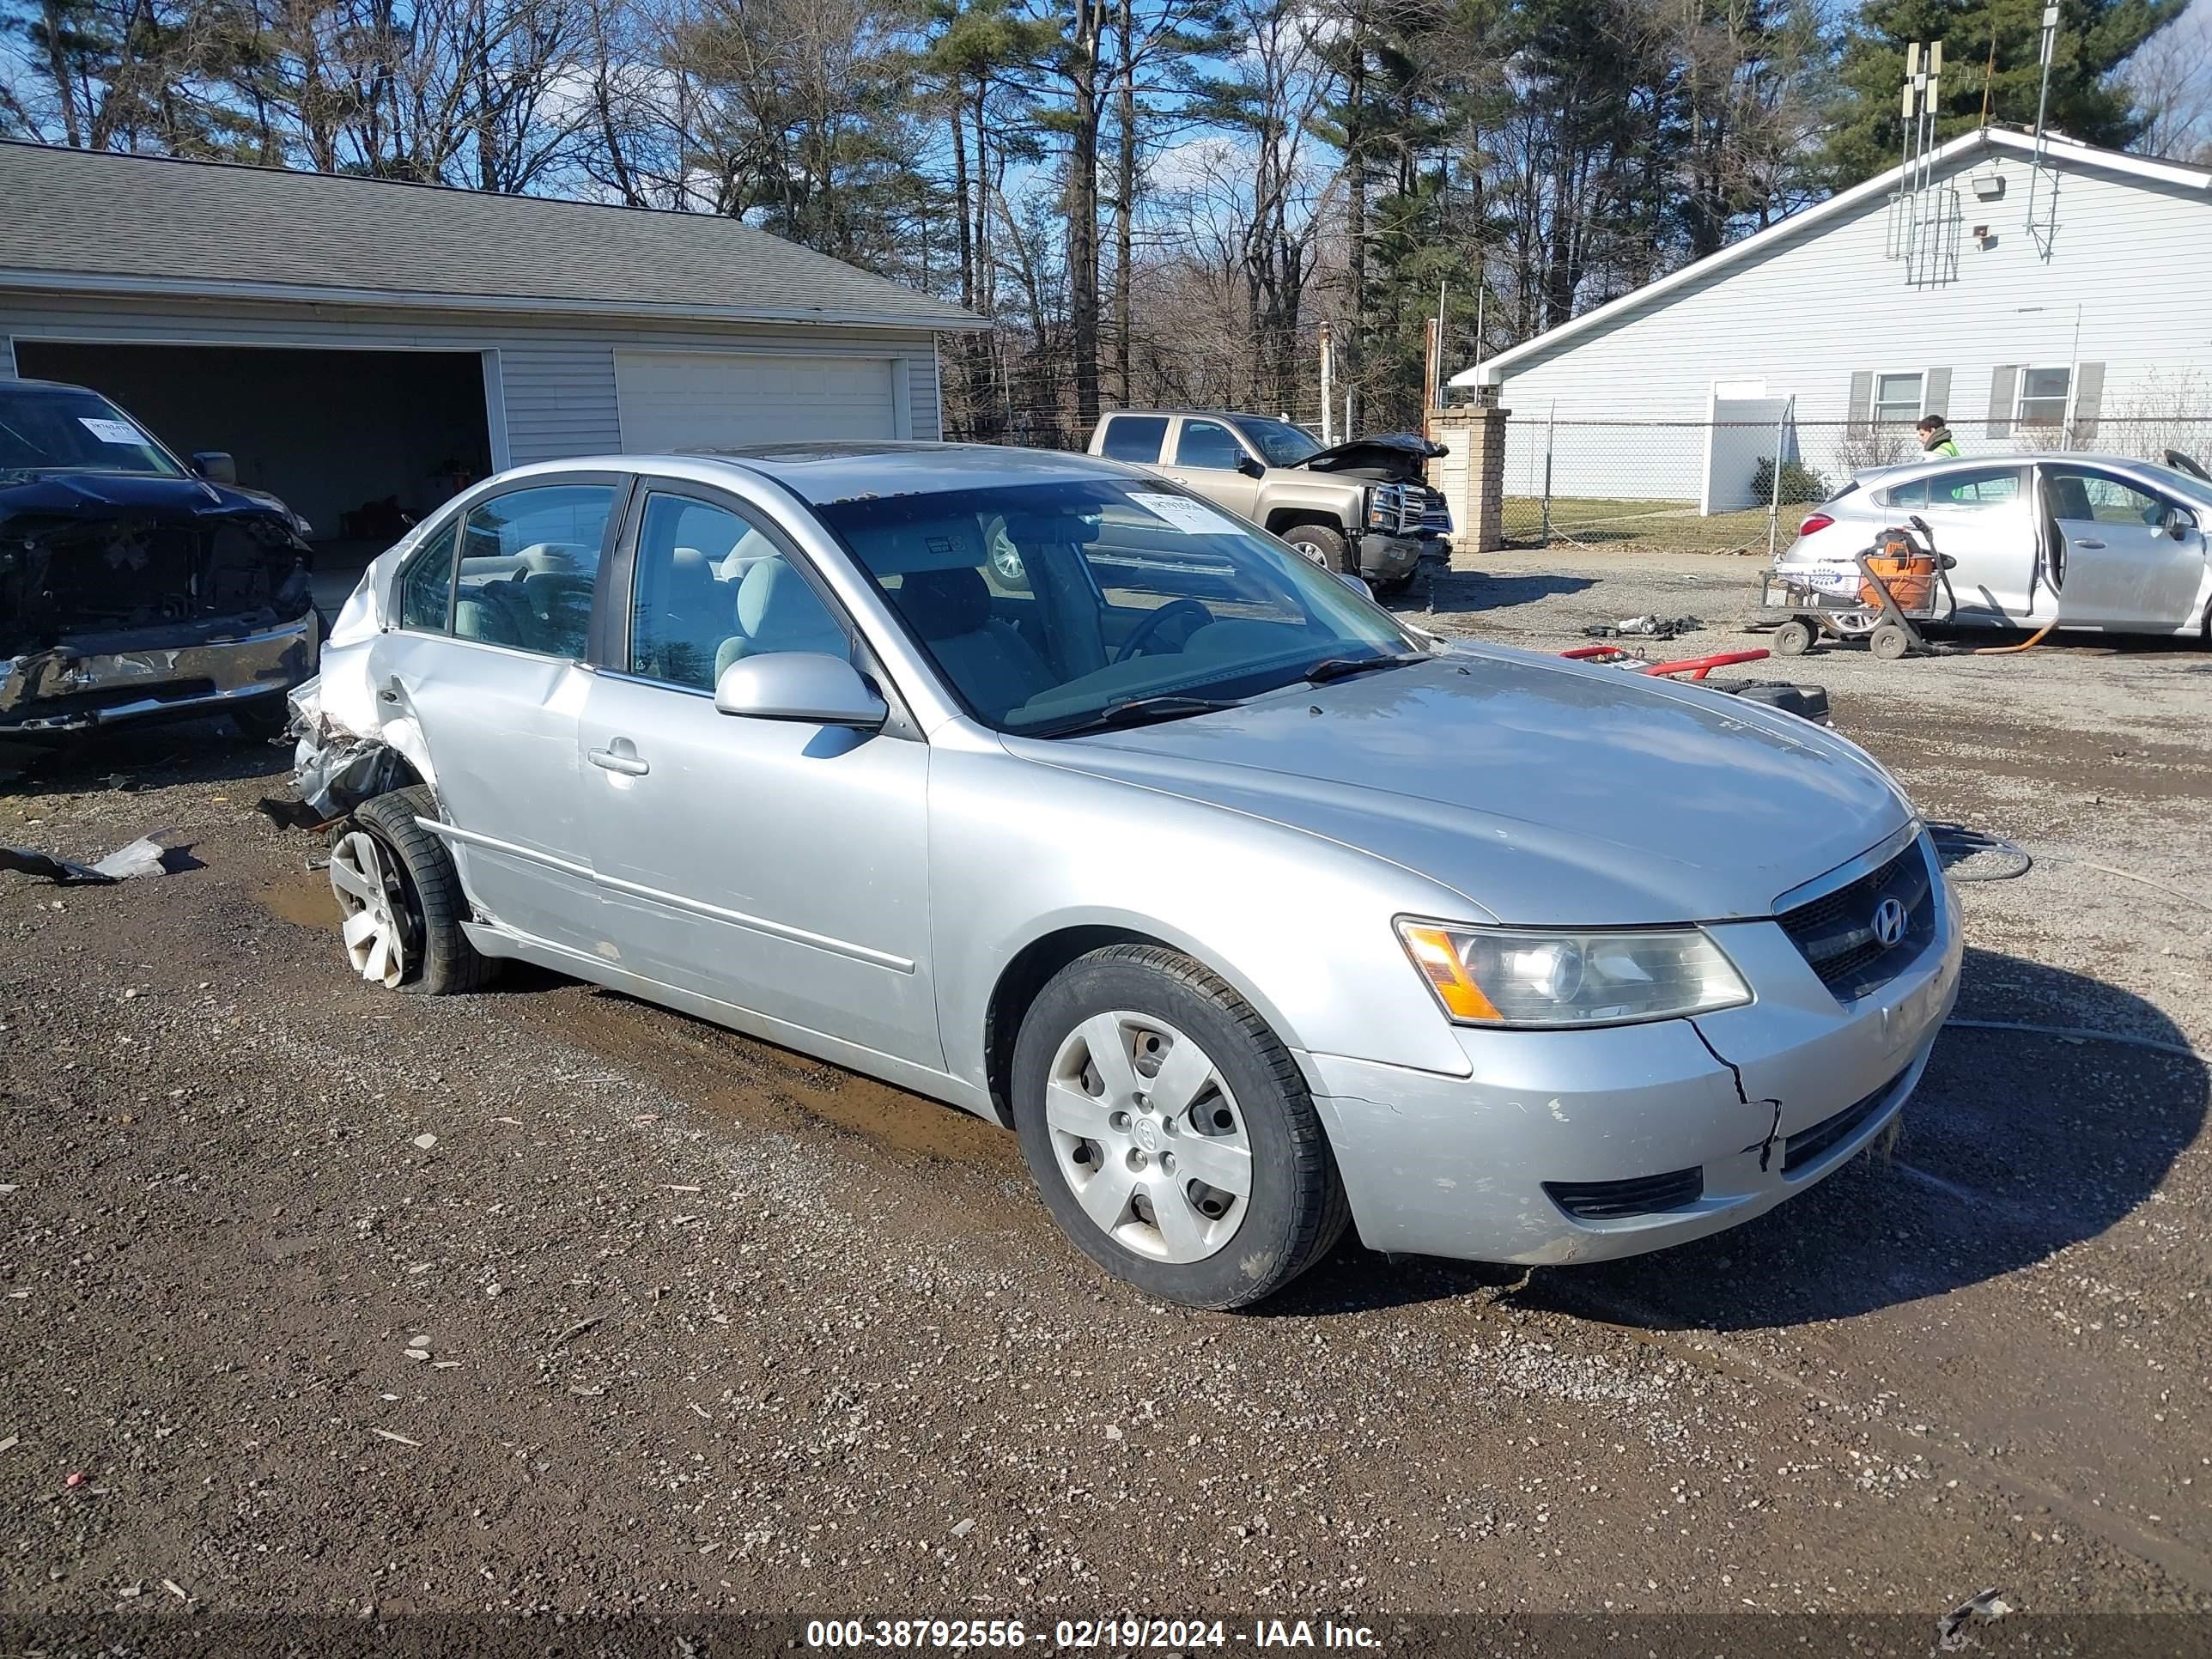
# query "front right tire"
(1169, 1131)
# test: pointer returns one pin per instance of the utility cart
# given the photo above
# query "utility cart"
(1887, 590)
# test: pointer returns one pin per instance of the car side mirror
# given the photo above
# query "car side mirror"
(214, 465)
(1357, 584)
(2180, 521)
(1250, 468)
(810, 687)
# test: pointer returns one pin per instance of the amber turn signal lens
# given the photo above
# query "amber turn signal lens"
(1431, 951)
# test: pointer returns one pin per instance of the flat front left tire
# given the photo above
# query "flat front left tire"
(401, 901)
(1169, 1131)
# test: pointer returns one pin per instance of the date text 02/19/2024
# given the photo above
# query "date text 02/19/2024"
(1077, 1634)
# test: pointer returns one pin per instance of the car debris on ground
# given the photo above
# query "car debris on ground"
(1646, 628)
(145, 856)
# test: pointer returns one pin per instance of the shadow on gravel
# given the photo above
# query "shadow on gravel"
(142, 757)
(1470, 590)
(2014, 1147)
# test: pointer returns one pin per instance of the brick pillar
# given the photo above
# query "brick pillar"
(1473, 477)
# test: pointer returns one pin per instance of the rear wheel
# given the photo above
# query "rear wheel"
(1169, 1131)
(401, 899)
(1792, 639)
(1324, 546)
(1889, 642)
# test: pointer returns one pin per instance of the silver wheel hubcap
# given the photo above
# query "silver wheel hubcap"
(1148, 1137)
(368, 894)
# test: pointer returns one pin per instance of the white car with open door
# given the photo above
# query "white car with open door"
(2093, 542)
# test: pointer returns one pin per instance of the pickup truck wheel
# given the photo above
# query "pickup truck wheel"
(401, 899)
(263, 720)
(1324, 546)
(1169, 1131)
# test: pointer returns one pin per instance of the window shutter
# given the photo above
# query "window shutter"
(1862, 410)
(2003, 379)
(1936, 393)
(2088, 398)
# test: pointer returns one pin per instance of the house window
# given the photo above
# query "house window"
(1897, 397)
(2042, 395)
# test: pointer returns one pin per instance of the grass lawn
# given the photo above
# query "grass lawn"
(1672, 524)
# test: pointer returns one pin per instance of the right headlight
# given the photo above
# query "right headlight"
(1546, 977)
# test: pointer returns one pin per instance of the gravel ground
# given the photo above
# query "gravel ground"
(313, 1299)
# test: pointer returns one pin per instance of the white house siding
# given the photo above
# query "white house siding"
(2134, 255)
(556, 375)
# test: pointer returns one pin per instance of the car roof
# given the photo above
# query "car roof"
(840, 470)
(1198, 413)
(2016, 458)
(41, 386)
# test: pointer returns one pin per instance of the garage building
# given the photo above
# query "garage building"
(364, 349)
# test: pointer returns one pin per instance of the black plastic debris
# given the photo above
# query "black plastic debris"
(1809, 703)
(145, 856)
(1645, 628)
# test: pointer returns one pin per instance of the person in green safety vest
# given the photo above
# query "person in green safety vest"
(1935, 437)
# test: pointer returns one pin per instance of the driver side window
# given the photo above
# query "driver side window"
(2083, 496)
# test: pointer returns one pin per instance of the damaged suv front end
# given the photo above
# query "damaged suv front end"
(131, 589)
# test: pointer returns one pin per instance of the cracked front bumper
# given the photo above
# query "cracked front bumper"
(1460, 1166)
(173, 672)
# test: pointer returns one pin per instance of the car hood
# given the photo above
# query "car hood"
(1541, 791)
(1394, 454)
(94, 495)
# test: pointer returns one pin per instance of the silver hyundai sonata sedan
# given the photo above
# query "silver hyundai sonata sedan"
(1044, 787)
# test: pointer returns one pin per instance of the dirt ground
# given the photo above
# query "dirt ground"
(313, 1299)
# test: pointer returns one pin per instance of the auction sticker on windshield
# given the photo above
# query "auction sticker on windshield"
(1192, 517)
(110, 431)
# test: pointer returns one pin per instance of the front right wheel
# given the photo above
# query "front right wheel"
(1169, 1131)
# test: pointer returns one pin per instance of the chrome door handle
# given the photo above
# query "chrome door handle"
(629, 763)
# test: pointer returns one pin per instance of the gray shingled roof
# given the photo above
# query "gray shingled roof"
(95, 220)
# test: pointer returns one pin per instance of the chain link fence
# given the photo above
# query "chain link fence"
(1722, 486)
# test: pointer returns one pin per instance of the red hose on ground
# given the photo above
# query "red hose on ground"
(1698, 667)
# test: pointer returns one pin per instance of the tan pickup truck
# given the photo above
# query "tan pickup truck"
(1362, 508)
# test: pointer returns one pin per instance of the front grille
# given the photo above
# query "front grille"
(1436, 512)
(1836, 932)
(1807, 1145)
(1615, 1201)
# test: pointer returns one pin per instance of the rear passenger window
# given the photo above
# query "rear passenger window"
(1996, 486)
(711, 589)
(1134, 438)
(426, 587)
(530, 562)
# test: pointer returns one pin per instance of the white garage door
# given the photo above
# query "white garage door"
(673, 400)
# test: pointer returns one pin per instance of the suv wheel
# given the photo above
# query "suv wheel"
(1323, 546)
(1171, 1131)
(401, 899)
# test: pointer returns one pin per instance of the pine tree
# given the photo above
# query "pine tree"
(2095, 37)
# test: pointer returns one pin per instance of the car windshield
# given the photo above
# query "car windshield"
(2181, 483)
(68, 431)
(1281, 443)
(1050, 607)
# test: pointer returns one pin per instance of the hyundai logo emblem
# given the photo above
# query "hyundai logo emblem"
(1890, 922)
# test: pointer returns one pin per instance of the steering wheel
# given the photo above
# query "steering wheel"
(1141, 635)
